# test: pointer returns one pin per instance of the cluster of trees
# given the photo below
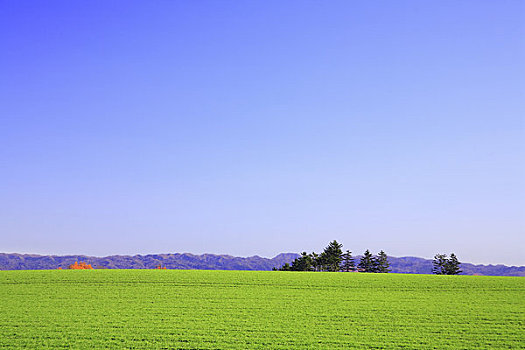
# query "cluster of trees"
(332, 259)
(441, 265)
(370, 263)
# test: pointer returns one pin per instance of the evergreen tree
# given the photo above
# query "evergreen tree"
(285, 267)
(381, 263)
(452, 265)
(438, 264)
(332, 256)
(348, 262)
(303, 263)
(375, 265)
(367, 264)
(321, 262)
(315, 262)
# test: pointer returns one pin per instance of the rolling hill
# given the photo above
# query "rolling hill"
(189, 261)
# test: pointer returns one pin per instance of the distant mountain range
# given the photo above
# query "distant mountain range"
(222, 262)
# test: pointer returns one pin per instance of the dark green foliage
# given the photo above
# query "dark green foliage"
(381, 263)
(303, 263)
(329, 260)
(320, 262)
(438, 264)
(452, 265)
(332, 256)
(441, 265)
(285, 267)
(316, 262)
(348, 262)
(332, 259)
(367, 262)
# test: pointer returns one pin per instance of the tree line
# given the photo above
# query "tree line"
(333, 259)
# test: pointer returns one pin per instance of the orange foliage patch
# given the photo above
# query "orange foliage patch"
(80, 266)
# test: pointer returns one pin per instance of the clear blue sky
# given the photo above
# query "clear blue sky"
(260, 127)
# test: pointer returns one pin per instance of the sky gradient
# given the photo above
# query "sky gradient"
(260, 127)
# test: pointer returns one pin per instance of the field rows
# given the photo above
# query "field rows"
(260, 310)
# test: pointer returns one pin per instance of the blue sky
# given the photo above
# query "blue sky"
(260, 127)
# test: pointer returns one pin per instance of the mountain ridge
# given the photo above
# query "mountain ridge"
(407, 264)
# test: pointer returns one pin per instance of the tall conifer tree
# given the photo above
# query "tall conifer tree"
(367, 262)
(452, 265)
(348, 262)
(332, 256)
(438, 264)
(382, 264)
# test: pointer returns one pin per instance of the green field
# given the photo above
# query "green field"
(175, 309)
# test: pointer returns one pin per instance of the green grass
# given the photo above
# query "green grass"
(175, 309)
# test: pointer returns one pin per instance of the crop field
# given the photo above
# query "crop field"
(175, 309)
